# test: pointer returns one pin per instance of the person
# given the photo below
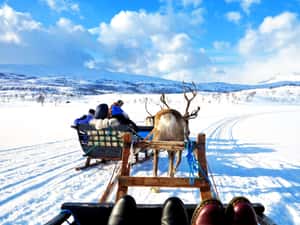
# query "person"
(117, 112)
(85, 119)
(101, 111)
(101, 119)
(210, 212)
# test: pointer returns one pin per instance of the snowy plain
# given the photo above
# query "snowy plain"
(252, 150)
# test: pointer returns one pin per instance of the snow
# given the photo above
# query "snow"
(251, 151)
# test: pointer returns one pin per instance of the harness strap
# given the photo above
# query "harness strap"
(194, 165)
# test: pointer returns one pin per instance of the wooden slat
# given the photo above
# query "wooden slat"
(201, 155)
(125, 167)
(110, 185)
(162, 182)
(165, 145)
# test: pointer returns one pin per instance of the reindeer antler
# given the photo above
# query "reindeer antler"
(146, 102)
(193, 90)
(193, 115)
(163, 100)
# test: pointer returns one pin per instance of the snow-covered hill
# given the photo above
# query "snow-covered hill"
(62, 88)
(30, 87)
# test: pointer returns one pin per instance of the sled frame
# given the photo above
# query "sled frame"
(125, 180)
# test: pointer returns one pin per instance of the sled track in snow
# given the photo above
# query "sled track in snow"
(38, 157)
(54, 169)
(220, 137)
(30, 147)
(35, 174)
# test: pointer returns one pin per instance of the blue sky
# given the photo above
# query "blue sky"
(241, 41)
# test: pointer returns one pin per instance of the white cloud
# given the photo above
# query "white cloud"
(284, 21)
(182, 75)
(68, 25)
(128, 27)
(272, 35)
(221, 45)
(90, 64)
(197, 16)
(140, 42)
(10, 37)
(272, 48)
(62, 5)
(12, 23)
(194, 3)
(155, 44)
(245, 4)
(234, 17)
(249, 42)
(169, 44)
(217, 71)
(254, 70)
(25, 41)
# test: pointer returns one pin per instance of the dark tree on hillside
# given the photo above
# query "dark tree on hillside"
(41, 99)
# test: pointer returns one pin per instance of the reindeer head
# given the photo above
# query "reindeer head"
(187, 115)
(171, 119)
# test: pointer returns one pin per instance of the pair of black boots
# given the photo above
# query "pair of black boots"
(124, 211)
(210, 212)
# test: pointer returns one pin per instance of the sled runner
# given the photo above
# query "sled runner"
(105, 144)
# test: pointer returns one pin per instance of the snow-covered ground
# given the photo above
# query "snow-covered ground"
(252, 150)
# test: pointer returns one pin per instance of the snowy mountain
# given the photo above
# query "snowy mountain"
(28, 87)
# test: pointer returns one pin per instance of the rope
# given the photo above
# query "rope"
(214, 183)
(194, 166)
(131, 158)
(114, 170)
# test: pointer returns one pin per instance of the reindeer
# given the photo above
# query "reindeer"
(171, 125)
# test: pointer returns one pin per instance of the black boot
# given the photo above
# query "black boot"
(123, 212)
(174, 213)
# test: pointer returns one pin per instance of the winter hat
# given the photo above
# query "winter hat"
(120, 102)
(101, 111)
(92, 112)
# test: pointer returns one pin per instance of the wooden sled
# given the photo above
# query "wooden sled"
(106, 144)
(149, 214)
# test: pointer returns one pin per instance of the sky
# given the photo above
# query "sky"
(239, 41)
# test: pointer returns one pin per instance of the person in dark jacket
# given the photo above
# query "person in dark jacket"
(101, 111)
(117, 112)
(85, 119)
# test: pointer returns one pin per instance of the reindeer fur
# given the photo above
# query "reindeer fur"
(169, 125)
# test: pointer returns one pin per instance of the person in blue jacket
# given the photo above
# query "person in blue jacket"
(117, 112)
(85, 119)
